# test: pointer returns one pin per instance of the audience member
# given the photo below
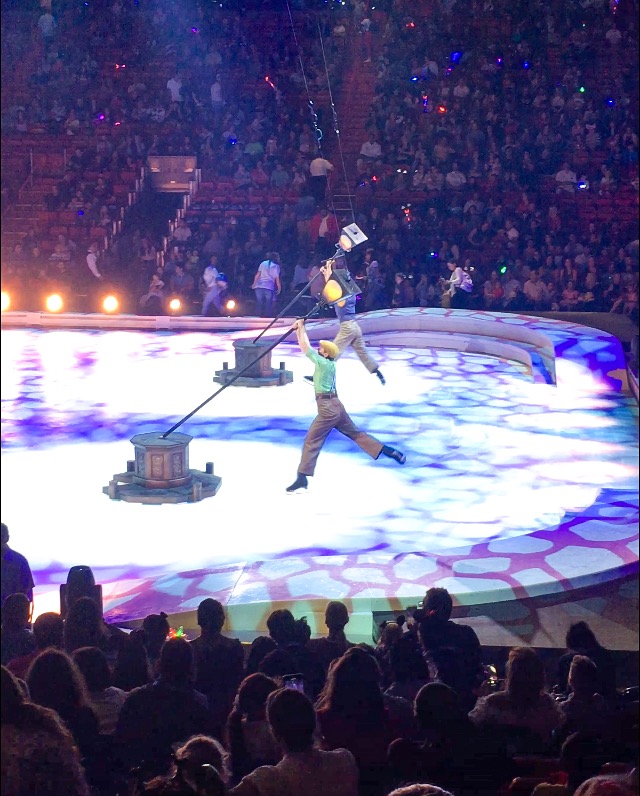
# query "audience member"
(319, 169)
(159, 714)
(523, 712)
(610, 785)
(581, 640)
(17, 638)
(155, 631)
(38, 752)
(293, 652)
(390, 634)
(85, 627)
(249, 738)
(260, 647)
(453, 754)
(585, 710)
(152, 302)
(105, 699)
(335, 643)
(219, 663)
(16, 575)
(266, 284)
(408, 669)
(304, 769)
(47, 632)
(199, 767)
(55, 682)
(352, 715)
(132, 668)
(452, 648)
(582, 756)
(323, 232)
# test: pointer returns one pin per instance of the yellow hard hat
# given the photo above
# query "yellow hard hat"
(330, 348)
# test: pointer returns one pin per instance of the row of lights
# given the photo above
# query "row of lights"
(110, 304)
(54, 302)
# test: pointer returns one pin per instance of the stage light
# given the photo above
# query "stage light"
(351, 236)
(110, 304)
(230, 305)
(54, 303)
(175, 305)
(582, 89)
(5, 301)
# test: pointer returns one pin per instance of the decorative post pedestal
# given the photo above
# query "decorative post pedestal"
(260, 374)
(160, 473)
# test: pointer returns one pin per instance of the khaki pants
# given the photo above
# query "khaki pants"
(332, 414)
(350, 334)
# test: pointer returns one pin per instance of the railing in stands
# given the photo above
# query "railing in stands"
(187, 198)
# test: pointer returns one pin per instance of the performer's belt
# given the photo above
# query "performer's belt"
(326, 395)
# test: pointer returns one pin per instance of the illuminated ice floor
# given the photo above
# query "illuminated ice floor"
(510, 488)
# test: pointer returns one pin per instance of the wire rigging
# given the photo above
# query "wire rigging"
(314, 115)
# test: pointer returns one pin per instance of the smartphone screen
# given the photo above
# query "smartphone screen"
(295, 681)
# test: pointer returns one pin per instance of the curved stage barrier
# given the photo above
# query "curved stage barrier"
(520, 482)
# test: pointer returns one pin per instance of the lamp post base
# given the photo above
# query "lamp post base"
(160, 473)
(259, 372)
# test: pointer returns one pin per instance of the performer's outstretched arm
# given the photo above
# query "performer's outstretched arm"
(301, 332)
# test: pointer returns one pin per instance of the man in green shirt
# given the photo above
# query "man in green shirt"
(331, 412)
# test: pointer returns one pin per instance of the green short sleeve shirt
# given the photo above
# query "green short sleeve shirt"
(324, 376)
